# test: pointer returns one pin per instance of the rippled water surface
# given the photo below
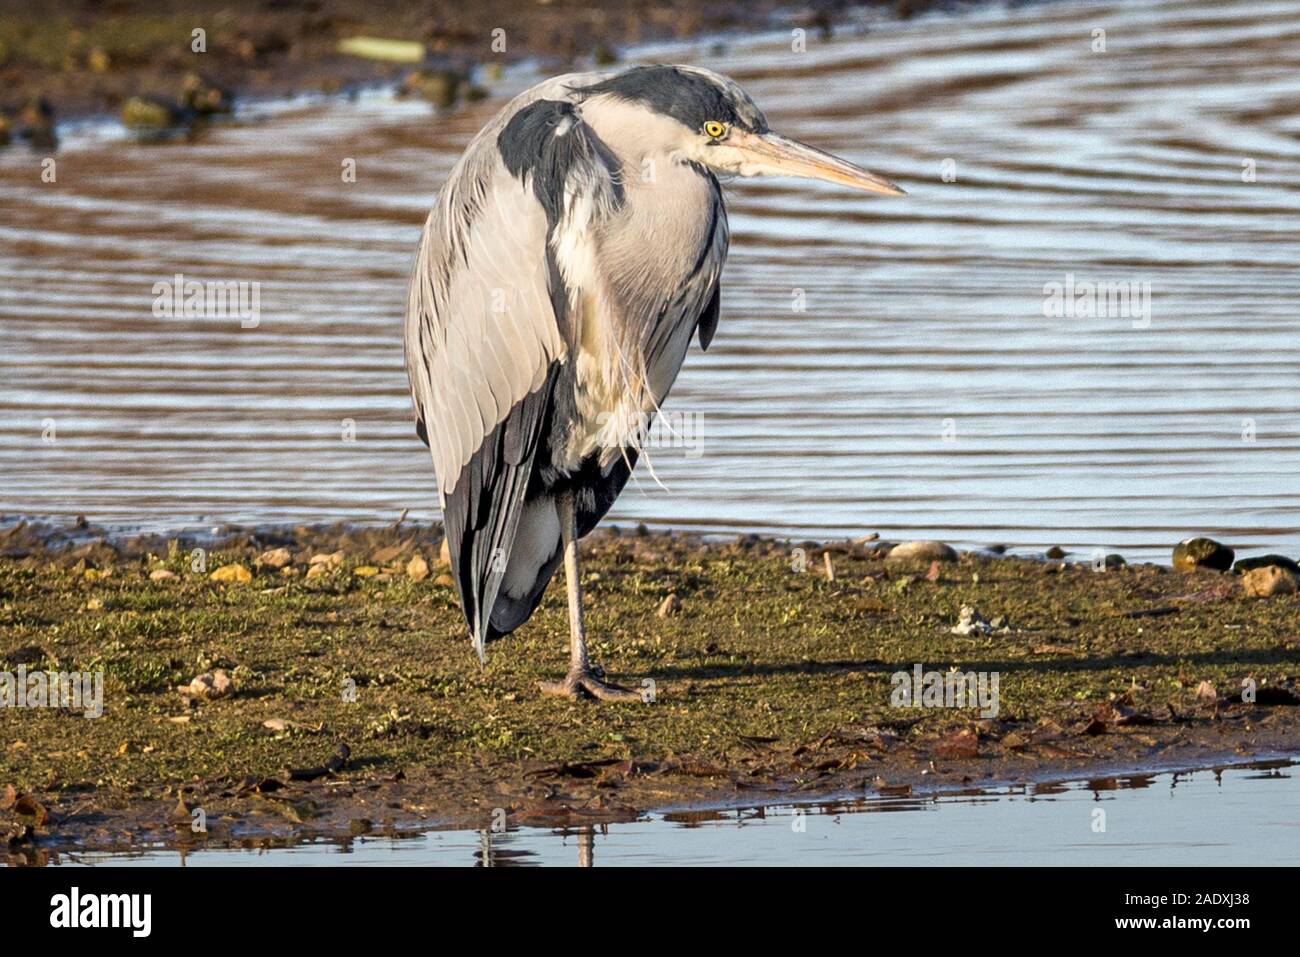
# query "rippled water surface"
(922, 393)
(1235, 816)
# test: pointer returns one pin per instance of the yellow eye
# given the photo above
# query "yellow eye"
(715, 129)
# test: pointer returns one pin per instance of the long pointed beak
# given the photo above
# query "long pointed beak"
(773, 155)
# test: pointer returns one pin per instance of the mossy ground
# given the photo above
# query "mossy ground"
(767, 679)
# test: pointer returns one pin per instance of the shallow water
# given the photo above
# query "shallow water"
(922, 393)
(1234, 816)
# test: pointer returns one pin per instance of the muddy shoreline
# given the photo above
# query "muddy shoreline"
(83, 58)
(772, 682)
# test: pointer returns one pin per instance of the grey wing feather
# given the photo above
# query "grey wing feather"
(482, 348)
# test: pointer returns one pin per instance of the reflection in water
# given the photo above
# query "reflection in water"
(922, 385)
(1243, 814)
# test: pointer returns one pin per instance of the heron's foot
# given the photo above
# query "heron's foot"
(583, 682)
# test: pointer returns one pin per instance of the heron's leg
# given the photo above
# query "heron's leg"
(580, 677)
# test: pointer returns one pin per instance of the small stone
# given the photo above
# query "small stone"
(210, 685)
(1263, 561)
(439, 87)
(972, 623)
(921, 553)
(1193, 553)
(365, 571)
(1269, 581)
(670, 606)
(1056, 551)
(275, 558)
(205, 98)
(444, 554)
(95, 604)
(417, 568)
(444, 579)
(333, 559)
(161, 574)
(319, 570)
(151, 113)
(1205, 692)
(962, 744)
(232, 573)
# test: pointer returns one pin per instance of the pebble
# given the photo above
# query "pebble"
(1193, 553)
(972, 623)
(439, 87)
(444, 579)
(333, 559)
(670, 606)
(205, 98)
(417, 568)
(36, 125)
(210, 685)
(161, 574)
(365, 571)
(921, 553)
(444, 554)
(319, 569)
(275, 558)
(1263, 561)
(151, 113)
(232, 573)
(1269, 581)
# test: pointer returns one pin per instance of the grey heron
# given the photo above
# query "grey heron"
(572, 254)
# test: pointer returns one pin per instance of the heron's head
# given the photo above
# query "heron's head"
(706, 118)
